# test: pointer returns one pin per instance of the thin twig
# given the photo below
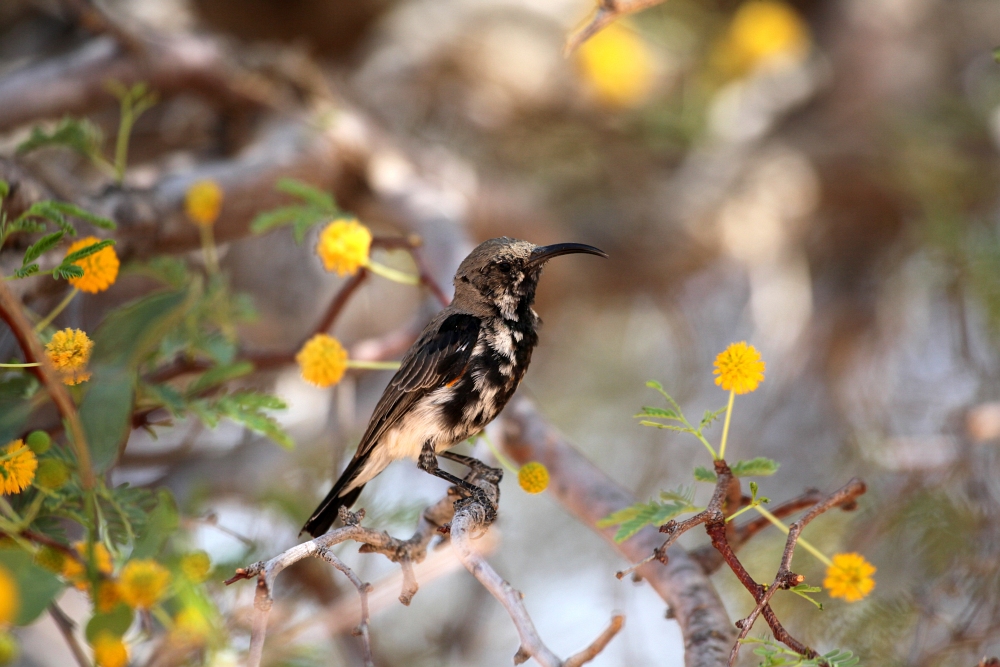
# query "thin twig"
(606, 13)
(66, 628)
(363, 589)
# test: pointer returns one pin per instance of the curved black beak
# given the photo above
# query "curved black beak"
(544, 253)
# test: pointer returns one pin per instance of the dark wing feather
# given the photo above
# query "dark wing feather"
(438, 357)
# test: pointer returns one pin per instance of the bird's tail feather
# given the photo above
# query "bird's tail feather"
(324, 515)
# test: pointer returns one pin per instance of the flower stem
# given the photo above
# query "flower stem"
(19, 365)
(725, 427)
(781, 526)
(504, 461)
(392, 274)
(47, 320)
(208, 248)
(373, 365)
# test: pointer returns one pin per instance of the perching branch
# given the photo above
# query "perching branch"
(66, 627)
(785, 578)
(605, 13)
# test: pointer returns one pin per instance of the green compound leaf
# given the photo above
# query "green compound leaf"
(75, 211)
(756, 467)
(77, 255)
(42, 245)
(25, 271)
(658, 413)
(81, 136)
(115, 622)
(65, 272)
(703, 474)
(308, 193)
(630, 520)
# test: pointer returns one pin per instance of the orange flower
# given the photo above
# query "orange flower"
(100, 270)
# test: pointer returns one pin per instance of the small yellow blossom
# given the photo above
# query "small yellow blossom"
(109, 650)
(739, 368)
(323, 360)
(191, 626)
(618, 65)
(10, 599)
(762, 32)
(99, 270)
(142, 583)
(76, 572)
(69, 351)
(533, 477)
(343, 246)
(17, 467)
(196, 566)
(850, 577)
(108, 596)
(203, 202)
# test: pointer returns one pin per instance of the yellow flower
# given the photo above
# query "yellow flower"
(142, 583)
(69, 351)
(10, 599)
(51, 559)
(109, 650)
(191, 626)
(850, 577)
(323, 360)
(196, 566)
(203, 202)
(76, 572)
(739, 368)
(618, 65)
(343, 246)
(533, 477)
(762, 32)
(108, 596)
(99, 270)
(17, 467)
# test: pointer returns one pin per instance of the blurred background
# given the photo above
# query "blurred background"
(818, 178)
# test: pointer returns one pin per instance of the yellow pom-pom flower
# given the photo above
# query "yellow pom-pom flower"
(618, 66)
(109, 650)
(322, 360)
(191, 626)
(142, 583)
(739, 368)
(17, 467)
(100, 270)
(849, 577)
(203, 202)
(196, 566)
(10, 599)
(76, 572)
(69, 351)
(533, 477)
(762, 32)
(108, 596)
(343, 246)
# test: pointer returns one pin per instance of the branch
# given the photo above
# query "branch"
(587, 493)
(606, 13)
(66, 627)
(785, 578)
(13, 314)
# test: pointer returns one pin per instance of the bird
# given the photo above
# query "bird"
(458, 375)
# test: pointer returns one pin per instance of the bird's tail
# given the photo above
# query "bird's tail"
(324, 515)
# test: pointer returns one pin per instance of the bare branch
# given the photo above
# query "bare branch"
(363, 590)
(66, 627)
(606, 13)
(588, 494)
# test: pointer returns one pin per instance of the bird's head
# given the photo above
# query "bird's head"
(503, 273)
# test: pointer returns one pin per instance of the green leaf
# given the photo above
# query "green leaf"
(25, 271)
(116, 622)
(630, 520)
(710, 416)
(161, 524)
(703, 474)
(47, 210)
(668, 427)
(42, 245)
(659, 413)
(64, 272)
(37, 586)
(75, 211)
(314, 196)
(130, 333)
(77, 255)
(80, 135)
(106, 413)
(167, 396)
(756, 467)
(219, 375)
(246, 408)
(268, 220)
(4, 189)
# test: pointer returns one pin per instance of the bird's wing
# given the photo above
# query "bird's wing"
(438, 357)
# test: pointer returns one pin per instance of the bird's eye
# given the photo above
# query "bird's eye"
(505, 267)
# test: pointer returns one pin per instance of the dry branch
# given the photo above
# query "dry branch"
(588, 494)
